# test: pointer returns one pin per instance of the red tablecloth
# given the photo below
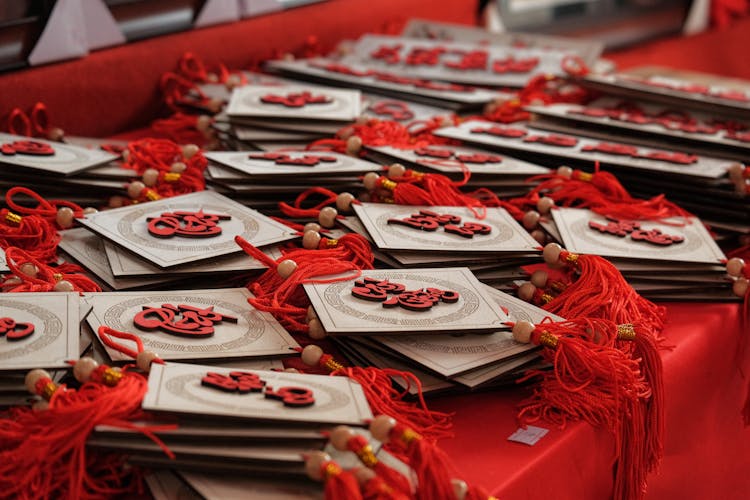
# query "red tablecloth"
(707, 447)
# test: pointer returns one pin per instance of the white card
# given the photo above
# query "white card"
(517, 137)
(47, 156)
(159, 240)
(3, 263)
(295, 102)
(453, 159)
(455, 61)
(392, 227)
(213, 324)
(357, 74)
(177, 388)
(40, 330)
(450, 355)
(215, 487)
(465, 306)
(585, 232)
(283, 163)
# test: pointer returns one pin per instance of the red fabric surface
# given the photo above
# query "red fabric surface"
(718, 51)
(117, 89)
(706, 448)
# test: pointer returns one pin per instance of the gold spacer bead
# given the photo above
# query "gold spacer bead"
(57, 276)
(172, 176)
(111, 377)
(546, 339)
(330, 470)
(152, 195)
(585, 176)
(367, 457)
(409, 435)
(332, 243)
(388, 184)
(626, 331)
(333, 365)
(13, 218)
(546, 298)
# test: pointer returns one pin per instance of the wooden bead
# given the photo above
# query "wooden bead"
(203, 123)
(311, 240)
(396, 171)
(353, 145)
(233, 81)
(311, 355)
(116, 201)
(539, 236)
(315, 329)
(135, 188)
(55, 134)
(190, 150)
(65, 217)
(286, 268)
(125, 155)
(340, 436)
(144, 359)
(150, 177)
(311, 314)
(526, 292)
(314, 464)
(381, 426)
(29, 269)
(311, 226)
(735, 171)
(344, 202)
(291, 370)
(63, 286)
(89, 211)
(327, 217)
(539, 278)
(551, 253)
(177, 167)
(33, 377)
(522, 332)
(740, 287)
(83, 368)
(460, 488)
(40, 405)
(363, 475)
(530, 219)
(370, 180)
(566, 172)
(735, 265)
(545, 204)
(212, 78)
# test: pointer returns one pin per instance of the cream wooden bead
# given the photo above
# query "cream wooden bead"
(190, 150)
(33, 377)
(311, 314)
(363, 475)
(144, 359)
(740, 287)
(340, 436)
(40, 405)
(539, 236)
(327, 217)
(530, 220)
(135, 188)
(526, 292)
(203, 124)
(150, 177)
(177, 167)
(344, 202)
(83, 368)
(311, 355)
(551, 253)
(291, 370)
(565, 172)
(311, 226)
(89, 211)
(381, 426)
(522, 332)
(212, 78)
(63, 286)
(315, 329)
(545, 204)
(370, 180)
(539, 278)
(29, 269)
(55, 134)
(396, 171)
(735, 265)
(233, 81)
(314, 463)
(353, 145)
(65, 217)
(116, 201)
(311, 240)
(286, 268)
(460, 488)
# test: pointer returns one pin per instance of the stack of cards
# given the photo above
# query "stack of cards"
(172, 240)
(418, 236)
(674, 259)
(441, 324)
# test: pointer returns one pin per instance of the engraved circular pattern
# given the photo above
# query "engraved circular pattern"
(63, 156)
(125, 228)
(183, 385)
(502, 232)
(692, 242)
(53, 328)
(112, 318)
(333, 293)
(253, 103)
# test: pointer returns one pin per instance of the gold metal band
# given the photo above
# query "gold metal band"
(13, 218)
(625, 331)
(367, 456)
(548, 340)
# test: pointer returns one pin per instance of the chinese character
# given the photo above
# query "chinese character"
(623, 228)
(285, 159)
(424, 56)
(513, 65)
(247, 382)
(471, 60)
(553, 140)
(376, 290)
(389, 55)
(186, 224)
(427, 220)
(509, 132)
(182, 320)
(296, 99)
(31, 148)
(13, 330)
(397, 110)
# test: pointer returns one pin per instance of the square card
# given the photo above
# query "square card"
(46, 156)
(642, 117)
(453, 159)
(455, 61)
(124, 264)
(296, 163)
(3, 263)
(588, 49)
(191, 324)
(387, 301)
(360, 75)
(88, 249)
(523, 138)
(585, 232)
(451, 355)
(444, 229)
(296, 102)
(177, 388)
(39, 330)
(187, 228)
(221, 487)
(676, 90)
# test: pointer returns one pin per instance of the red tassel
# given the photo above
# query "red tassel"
(31, 275)
(181, 129)
(43, 452)
(374, 487)
(430, 464)
(382, 396)
(37, 236)
(339, 484)
(344, 439)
